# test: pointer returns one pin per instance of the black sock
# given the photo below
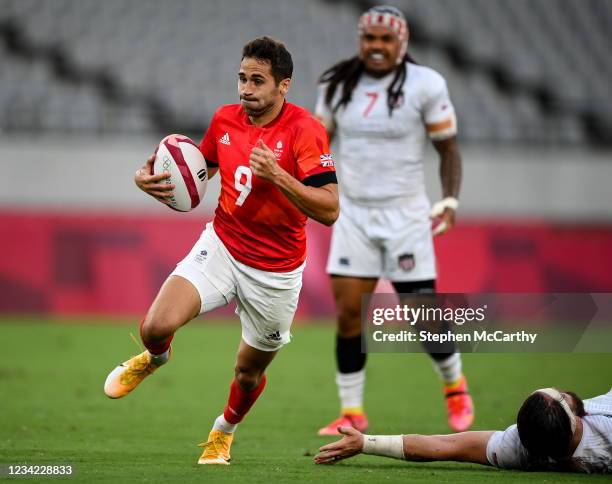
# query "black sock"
(348, 354)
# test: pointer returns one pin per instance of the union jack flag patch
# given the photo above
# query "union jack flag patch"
(327, 159)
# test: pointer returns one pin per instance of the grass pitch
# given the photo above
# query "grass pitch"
(54, 411)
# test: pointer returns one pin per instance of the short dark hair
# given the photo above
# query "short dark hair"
(272, 51)
(544, 428)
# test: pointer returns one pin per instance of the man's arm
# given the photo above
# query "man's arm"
(324, 113)
(450, 177)
(318, 203)
(329, 125)
(450, 166)
(462, 447)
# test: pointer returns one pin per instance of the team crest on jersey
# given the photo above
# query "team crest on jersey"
(327, 159)
(406, 262)
(278, 151)
(201, 256)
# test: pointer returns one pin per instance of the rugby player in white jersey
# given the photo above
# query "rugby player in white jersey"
(555, 431)
(384, 108)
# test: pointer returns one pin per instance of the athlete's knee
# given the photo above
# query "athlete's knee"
(248, 378)
(157, 327)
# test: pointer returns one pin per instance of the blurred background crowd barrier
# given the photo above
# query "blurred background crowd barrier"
(87, 89)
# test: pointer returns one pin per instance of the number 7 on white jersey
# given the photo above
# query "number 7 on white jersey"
(243, 188)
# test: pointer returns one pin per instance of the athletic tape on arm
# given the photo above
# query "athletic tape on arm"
(385, 445)
(439, 207)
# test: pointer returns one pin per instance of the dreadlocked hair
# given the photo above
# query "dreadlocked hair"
(347, 74)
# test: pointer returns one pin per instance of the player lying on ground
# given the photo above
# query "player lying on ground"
(554, 431)
(254, 251)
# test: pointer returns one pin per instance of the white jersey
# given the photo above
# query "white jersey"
(380, 157)
(593, 454)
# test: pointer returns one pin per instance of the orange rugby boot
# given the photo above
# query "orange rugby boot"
(128, 375)
(216, 448)
(459, 405)
(358, 421)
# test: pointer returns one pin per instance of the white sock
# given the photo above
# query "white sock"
(223, 425)
(350, 389)
(449, 369)
(160, 359)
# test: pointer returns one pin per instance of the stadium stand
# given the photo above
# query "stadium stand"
(518, 71)
(88, 87)
(554, 52)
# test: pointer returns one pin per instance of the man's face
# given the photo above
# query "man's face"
(378, 49)
(257, 87)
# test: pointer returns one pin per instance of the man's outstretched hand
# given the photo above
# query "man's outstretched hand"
(351, 444)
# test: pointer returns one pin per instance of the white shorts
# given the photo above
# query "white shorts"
(394, 243)
(266, 301)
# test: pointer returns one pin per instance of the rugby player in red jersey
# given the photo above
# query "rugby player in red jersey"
(276, 171)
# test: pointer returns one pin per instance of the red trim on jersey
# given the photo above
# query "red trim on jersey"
(171, 143)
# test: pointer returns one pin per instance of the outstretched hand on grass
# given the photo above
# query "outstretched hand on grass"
(351, 444)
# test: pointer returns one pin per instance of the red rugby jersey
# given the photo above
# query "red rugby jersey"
(259, 226)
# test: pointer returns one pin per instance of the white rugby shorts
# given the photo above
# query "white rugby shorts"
(265, 301)
(394, 243)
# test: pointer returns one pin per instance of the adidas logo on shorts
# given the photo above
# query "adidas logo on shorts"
(274, 336)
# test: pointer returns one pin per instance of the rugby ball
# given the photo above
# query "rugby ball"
(180, 156)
